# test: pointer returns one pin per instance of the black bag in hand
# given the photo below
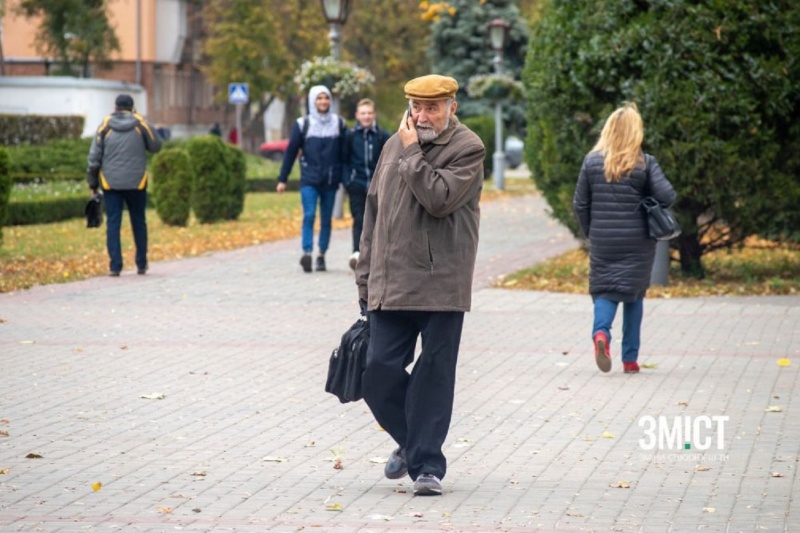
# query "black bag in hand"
(347, 362)
(94, 211)
(661, 223)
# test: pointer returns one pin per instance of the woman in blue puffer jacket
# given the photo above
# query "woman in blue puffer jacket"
(616, 175)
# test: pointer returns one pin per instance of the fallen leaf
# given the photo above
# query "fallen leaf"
(621, 485)
(153, 396)
(97, 486)
(196, 510)
(337, 464)
(33, 456)
(776, 474)
(123, 347)
(702, 468)
(563, 388)
(27, 342)
(4, 420)
(649, 365)
(609, 435)
(379, 460)
(683, 404)
(4, 471)
(774, 409)
(311, 444)
(576, 515)
(165, 510)
(709, 509)
(784, 362)
(334, 507)
(3, 433)
(416, 515)
(274, 459)
(200, 473)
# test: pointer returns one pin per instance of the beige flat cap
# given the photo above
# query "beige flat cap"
(431, 87)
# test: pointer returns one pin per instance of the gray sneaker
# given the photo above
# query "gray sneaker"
(396, 467)
(427, 485)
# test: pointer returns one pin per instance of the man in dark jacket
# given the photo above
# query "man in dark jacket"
(320, 136)
(414, 275)
(118, 164)
(362, 148)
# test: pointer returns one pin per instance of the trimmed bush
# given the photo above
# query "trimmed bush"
(38, 129)
(484, 128)
(210, 178)
(59, 159)
(172, 186)
(45, 211)
(237, 182)
(5, 190)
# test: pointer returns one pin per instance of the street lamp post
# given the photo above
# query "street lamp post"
(498, 32)
(336, 12)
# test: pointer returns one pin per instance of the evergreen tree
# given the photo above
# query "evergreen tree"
(461, 48)
(718, 86)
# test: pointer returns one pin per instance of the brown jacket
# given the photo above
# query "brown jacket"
(421, 222)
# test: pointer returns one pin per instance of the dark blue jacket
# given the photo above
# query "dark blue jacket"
(362, 148)
(321, 159)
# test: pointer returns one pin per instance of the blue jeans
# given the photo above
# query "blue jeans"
(309, 196)
(136, 202)
(632, 312)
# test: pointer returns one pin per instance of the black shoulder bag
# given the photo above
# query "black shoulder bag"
(347, 362)
(661, 222)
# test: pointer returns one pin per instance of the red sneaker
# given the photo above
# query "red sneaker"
(602, 354)
(630, 368)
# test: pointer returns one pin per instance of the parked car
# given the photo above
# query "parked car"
(513, 149)
(274, 150)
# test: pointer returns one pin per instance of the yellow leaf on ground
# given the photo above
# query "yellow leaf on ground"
(609, 435)
(784, 362)
(334, 507)
(621, 485)
(97, 486)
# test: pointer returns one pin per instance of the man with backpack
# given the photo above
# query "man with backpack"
(362, 147)
(320, 136)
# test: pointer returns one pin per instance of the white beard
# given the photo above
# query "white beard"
(428, 134)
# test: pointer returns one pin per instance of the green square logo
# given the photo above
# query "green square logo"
(687, 446)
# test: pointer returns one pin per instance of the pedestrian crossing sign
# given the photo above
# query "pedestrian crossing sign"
(238, 93)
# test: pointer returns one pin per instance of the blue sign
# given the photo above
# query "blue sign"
(238, 93)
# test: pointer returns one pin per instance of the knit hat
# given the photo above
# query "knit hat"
(124, 101)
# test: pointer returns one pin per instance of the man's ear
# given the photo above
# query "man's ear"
(453, 107)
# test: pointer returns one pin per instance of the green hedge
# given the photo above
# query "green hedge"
(38, 129)
(58, 158)
(210, 177)
(172, 186)
(5, 190)
(484, 128)
(45, 211)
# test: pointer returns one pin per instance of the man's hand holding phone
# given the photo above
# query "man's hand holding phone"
(408, 129)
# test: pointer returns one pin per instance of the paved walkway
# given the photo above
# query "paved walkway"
(243, 437)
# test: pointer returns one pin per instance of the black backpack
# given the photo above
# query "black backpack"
(347, 362)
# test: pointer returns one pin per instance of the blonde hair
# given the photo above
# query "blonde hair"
(620, 142)
(365, 101)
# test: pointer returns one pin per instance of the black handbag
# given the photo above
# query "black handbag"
(347, 362)
(661, 222)
(94, 211)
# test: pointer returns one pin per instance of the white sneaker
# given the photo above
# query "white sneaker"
(353, 260)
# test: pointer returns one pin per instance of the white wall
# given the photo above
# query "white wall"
(54, 95)
(170, 30)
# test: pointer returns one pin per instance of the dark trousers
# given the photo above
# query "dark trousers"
(136, 202)
(358, 204)
(416, 408)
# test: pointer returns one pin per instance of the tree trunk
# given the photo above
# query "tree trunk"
(690, 253)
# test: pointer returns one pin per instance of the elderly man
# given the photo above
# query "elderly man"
(414, 275)
(118, 164)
